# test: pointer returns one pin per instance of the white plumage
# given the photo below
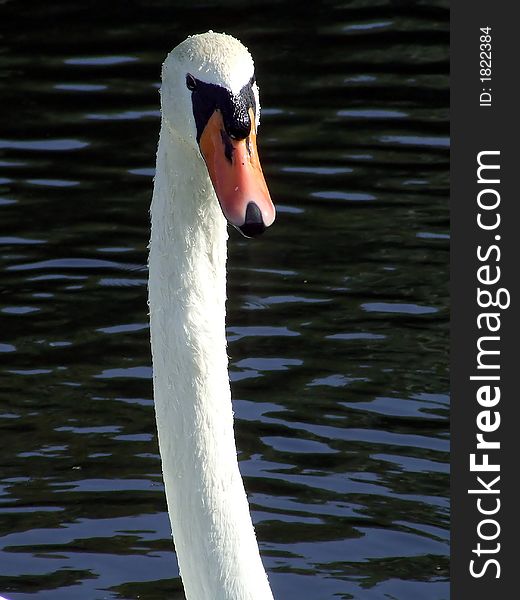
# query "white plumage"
(214, 537)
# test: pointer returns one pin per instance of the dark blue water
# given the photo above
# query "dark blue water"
(337, 318)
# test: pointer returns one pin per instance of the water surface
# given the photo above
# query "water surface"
(337, 317)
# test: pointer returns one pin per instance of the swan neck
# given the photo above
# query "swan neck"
(214, 537)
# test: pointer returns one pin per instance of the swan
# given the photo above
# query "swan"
(207, 174)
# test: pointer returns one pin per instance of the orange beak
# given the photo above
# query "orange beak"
(235, 171)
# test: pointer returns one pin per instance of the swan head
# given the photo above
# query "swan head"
(209, 99)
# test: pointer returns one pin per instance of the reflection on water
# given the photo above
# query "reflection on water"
(337, 319)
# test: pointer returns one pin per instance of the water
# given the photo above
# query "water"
(338, 317)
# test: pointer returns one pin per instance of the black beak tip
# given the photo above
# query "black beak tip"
(254, 224)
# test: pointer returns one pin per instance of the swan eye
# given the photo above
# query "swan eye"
(191, 82)
(208, 97)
